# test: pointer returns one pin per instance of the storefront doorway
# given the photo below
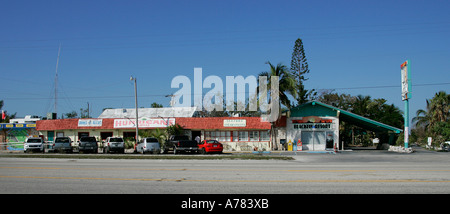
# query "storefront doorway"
(313, 140)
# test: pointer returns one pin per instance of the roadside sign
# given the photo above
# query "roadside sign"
(406, 82)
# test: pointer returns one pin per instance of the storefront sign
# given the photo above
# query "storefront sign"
(90, 122)
(234, 123)
(144, 123)
(17, 125)
(312, 126)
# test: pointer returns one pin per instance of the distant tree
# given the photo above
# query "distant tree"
(84, 113)
(72, 114)
(156, 105)
(299, 67)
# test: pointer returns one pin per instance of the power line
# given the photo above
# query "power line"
(386, 86)
(192, 94)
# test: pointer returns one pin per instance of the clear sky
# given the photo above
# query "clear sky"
(354, 47)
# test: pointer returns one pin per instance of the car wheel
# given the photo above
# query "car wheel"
(203, 151)
(175, 151)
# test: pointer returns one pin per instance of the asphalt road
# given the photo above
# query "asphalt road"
(355, 172)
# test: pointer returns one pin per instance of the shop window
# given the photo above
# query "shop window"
(265, 135)
(105, 135)
(221, 136)
(129, 135)
(243, 136)
(254, 135)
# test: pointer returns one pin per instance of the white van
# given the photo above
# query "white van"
(148, 145)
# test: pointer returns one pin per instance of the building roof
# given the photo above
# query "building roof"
(198, 123)
(315, 108)
(149, 112)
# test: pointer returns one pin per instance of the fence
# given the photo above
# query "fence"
(18, 146)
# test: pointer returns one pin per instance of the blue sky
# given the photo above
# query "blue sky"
(354, 47)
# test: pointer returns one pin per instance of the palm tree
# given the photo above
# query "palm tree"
(361, 106)
(423, 117)
(160, 135)
(286, 82)
(286, 85)
(439, 105)
(391, 115)
(437, 110)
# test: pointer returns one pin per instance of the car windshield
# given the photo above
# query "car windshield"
(88, 139)
(152, 140)
(62, 140)
(183, 137)
(211, 141)
(34, 141)
(116, 139)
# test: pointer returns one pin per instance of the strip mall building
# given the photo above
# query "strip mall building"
(312, 126)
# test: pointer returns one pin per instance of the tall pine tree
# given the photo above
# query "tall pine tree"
(299, 67)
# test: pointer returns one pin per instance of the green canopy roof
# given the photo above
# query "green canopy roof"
(315, 108)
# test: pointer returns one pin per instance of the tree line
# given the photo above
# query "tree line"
(433, 121)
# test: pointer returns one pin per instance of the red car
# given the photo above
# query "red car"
(210, 146)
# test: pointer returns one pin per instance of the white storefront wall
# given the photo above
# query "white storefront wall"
(313, 135)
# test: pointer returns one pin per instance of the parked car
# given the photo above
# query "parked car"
(210, 146)
(114, 144)
(63, 144)
(180, 144)
(33, 144)
(446, 146)
(88, 144)
(148, 144)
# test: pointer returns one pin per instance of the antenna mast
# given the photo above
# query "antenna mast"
(56, 80)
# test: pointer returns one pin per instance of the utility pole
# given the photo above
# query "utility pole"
(136, 104)
(56, 81)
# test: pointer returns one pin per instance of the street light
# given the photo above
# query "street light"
(136, 104)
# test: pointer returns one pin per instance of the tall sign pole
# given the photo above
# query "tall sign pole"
(406, 95)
